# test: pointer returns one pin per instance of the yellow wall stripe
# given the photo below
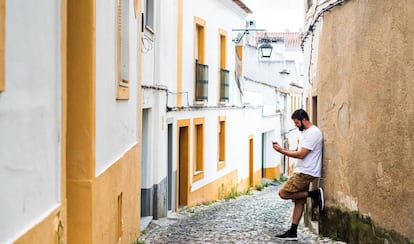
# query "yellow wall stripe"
(81, 119)
(62, 234)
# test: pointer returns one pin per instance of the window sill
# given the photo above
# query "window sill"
(198, 175)
(221, 165)
(200, 102)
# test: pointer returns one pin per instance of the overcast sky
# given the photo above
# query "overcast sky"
(277, 15)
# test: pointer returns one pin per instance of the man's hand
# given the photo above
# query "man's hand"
(277, 147)
(294, 154)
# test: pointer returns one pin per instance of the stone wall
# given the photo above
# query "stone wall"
(364, 86)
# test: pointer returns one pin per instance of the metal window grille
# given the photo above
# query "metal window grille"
(224, 85)
(201, 91)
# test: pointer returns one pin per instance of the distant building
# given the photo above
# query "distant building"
(200, 141)
(283, 71)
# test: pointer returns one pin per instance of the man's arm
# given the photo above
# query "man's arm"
(300, 154)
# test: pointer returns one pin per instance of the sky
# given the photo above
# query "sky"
(277, 15)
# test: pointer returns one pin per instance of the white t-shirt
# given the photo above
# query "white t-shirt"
(312, 164)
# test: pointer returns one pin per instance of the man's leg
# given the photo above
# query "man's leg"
(295, 189)
(317, 196)
(292, 195)
(298, 210)
(297, 215)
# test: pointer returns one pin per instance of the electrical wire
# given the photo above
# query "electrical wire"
(311, 28)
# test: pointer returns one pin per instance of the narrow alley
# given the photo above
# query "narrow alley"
(252, 218)
(136, 121)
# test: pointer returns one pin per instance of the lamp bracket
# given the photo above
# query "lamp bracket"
(245, 32)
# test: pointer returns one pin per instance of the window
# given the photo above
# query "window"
(201, 84)
(198, 165)
(122, 50)
(315, 110)
(221, 143)
(223, 49)
(224, 85)
(201, 70)
(2, 38)
(224, 73)
(199, 39)
(294, 103)
(149, 15)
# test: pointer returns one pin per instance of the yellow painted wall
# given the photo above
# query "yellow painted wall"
(257, 180)
(96, 214)
(49, 230)
(63, 212)
(81, 122)
(221, 187)
(93, 207)
(272, 172)
(213, 190)
(122, 177)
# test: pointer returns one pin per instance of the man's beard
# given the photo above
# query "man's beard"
(301, 127)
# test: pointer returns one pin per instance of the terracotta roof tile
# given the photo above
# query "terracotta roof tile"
(292, 39)
(243, 6)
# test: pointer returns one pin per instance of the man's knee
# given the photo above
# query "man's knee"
(284, 195)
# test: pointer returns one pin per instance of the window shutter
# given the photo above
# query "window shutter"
(124, 43)
(122, 49)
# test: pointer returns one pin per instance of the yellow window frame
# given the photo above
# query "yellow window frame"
(221, 142)
(223, 48)
(199, 39)
(198, 150)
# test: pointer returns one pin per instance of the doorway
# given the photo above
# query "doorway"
(183, 161)
(146, 183)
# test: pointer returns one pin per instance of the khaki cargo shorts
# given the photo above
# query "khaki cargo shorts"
(297, 182)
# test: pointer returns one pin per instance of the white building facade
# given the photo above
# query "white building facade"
(200, 138)
(69, 121)
(30, 116)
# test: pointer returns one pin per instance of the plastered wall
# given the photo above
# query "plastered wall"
(30, 117)
(366, 108)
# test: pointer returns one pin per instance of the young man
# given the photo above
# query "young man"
(308, 167)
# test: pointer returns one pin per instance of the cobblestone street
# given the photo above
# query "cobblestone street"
(254, 218)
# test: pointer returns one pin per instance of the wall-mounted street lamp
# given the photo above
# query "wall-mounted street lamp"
(265, 48)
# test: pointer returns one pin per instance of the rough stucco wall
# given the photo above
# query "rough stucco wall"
(366, 109)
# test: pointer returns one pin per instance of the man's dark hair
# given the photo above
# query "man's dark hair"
(300, 114)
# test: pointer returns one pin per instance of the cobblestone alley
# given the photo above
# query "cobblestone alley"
(254, 218)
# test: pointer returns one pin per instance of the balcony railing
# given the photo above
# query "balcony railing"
(224, 85)
(201, 91)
